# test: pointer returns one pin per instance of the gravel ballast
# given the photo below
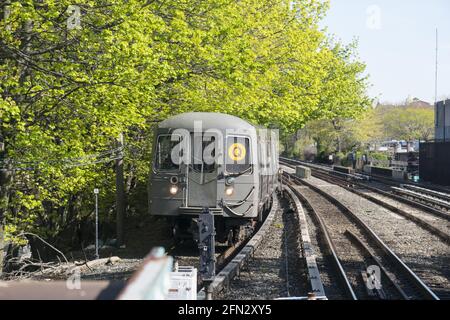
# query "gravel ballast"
(276, 269)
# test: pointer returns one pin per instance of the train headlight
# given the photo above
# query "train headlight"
(229, 191)
(173, 190)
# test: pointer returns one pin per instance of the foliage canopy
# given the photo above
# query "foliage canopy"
(67, 93)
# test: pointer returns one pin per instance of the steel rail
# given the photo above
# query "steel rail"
(430, 192)
(366, 249)
(314, 278)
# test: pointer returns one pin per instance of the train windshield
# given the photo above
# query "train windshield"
(165, 145)
(238, 155)
(203, 154)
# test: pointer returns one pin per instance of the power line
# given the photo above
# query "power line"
(87, 160)
(90, 156)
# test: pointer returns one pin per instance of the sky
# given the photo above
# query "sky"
(397, 41)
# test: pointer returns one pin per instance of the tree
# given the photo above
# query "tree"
(67, 94)
(340, 134)
(368, 127)
(406, 123)
(67, 90)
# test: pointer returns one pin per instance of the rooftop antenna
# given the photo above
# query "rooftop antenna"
(436, 74)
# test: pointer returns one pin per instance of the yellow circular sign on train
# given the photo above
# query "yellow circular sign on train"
(237, 152)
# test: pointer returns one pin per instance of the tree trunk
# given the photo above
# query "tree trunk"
(337, 128)
(5, 183)
(120, 196)
(339, 147)
(6, 167)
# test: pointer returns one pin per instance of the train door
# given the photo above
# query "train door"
(262, 163)
(202, 174)
(275, 157)
(268, 166)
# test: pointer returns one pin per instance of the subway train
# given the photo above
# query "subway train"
(217, 161)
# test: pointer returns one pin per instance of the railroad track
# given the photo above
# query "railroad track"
(438, 224)
(431, 198)
(235, 258)
(445, 196)
(427, 187)
(330, 263)
(232, 260)
(185, 253)
(435, 202)
(303, 277)
(316, 287)
(359, 251)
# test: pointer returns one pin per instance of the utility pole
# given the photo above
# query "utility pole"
(96, 191)
(436, 90)
(120, 194)
(436, 71)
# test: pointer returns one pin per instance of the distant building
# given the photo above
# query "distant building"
(417, 103)
(434, 156)
(420, 104)
(442, 121)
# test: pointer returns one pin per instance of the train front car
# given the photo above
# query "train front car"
(207, 160)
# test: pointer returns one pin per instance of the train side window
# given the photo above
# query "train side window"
(238, 155)
(164, 147)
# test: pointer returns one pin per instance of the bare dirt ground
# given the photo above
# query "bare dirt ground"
(142, 234)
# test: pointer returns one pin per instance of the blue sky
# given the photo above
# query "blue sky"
(397, 42)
